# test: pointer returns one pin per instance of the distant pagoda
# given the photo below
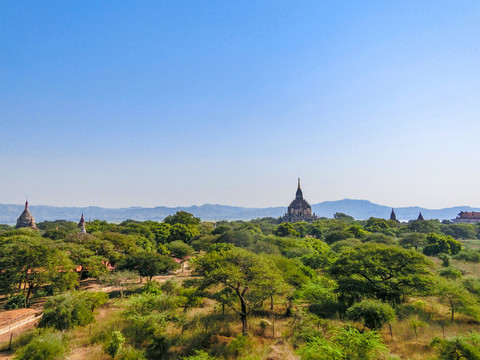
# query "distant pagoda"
(299, 209)
(420, 216)
(393, 217)
(26, 219)
(82, 224)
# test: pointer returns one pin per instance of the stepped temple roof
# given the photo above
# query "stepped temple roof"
(471, 217)
(26, 219)
(299, 209)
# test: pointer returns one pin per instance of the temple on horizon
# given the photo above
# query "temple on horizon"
(299, 209)
(26, 219)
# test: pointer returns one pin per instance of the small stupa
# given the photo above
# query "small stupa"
(26, 219)
(81, 224)
(420, 216)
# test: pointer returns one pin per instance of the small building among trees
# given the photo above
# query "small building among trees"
(469, 217)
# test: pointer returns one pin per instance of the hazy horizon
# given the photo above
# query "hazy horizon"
(174, 104)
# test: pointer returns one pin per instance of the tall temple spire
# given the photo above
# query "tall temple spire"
(393, 216)
(26, 202)
(81, 222)
(299, 194)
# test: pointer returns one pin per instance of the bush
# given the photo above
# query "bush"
(47, 346)
(16, 302)
(437, 244)
(348, 343)
(240, 345)
(337, 235)
(468, 255)
(472, 284)
(131, 353)
(459, 347)
(450, 272)
(374, 313)
(65, 311)
(114, 346)
(199, 355)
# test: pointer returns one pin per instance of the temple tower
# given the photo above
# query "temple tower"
(393, 216)
(81, 224)
(299, 209)
(26, 219)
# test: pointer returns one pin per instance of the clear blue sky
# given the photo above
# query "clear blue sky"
(146, 103)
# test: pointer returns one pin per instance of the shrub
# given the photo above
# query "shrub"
(459, 347)
(359, 346)
(65, 311)
(47, 346)
(240, 345)
(130, 353)
(337, 235)
(437, 244)
(114, 346)
(199, 355)
(318, 348)
(374, 313)
(472, 284)
(468, 255)
(450, 272)
(348, 343)
(16, 302)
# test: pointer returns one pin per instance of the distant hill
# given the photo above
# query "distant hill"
(359, 209)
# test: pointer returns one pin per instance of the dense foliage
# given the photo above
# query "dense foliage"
(334, 285)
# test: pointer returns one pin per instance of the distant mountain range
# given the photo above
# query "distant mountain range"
(359, 209)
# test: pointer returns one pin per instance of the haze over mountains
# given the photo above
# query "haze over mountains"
(359, 209)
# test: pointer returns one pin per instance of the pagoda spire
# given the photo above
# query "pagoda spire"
(81, 222)
(299, 183)
(393, 216)
(26, 202)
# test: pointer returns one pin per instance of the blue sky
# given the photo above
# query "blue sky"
(148, 103)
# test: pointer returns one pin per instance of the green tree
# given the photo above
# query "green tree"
(33, 262)
(185, 233)
(337, 235)
(459, 347)
(148, 264)
(246, 279)
(413, 240)
(343, 217)
(457, 298)
(437, 244)
(373, 313)
(114, 346)
(460, 231)
(66, 311)
(182, 217)
(180, 249)
(379, 271)
(45, 346)
(359, 346)
(120, 278)
(285, 229)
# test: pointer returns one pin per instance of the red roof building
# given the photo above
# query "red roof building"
(470, 217)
